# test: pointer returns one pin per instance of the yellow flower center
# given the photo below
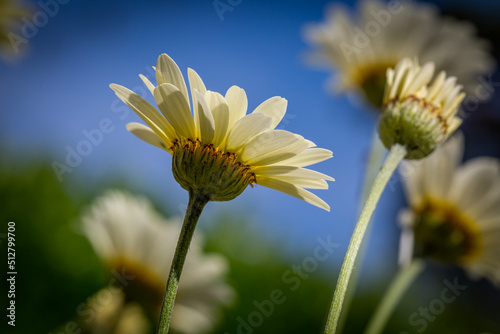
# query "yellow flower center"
(371, 78)
(444, 233)
(207, 170)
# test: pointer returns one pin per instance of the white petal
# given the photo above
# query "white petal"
(246, 129)
(146, 111)
(275, 107)
(205, 118)
(422, 78)
(308, 157)
(195, 83)
(220, 111)
(149, 136)
(237, 102)
(272, 147)
(302, 182)
(148, 83)
(293, 190)
(167, 71)
(472, 182)
(291, 172)
(176, 110)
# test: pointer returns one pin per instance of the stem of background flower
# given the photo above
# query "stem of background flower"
(396, 155)
(375, 159)
(398, 287)
(196, 204)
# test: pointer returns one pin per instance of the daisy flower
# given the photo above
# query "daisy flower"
(361, 48)
(114, 315)
(416, 113)
(218, 149)
(454, 214)
(10, 20)
(136, 242)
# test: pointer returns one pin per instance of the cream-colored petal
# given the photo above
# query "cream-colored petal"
(237, 102)
(271, 147)
(422, 78)
(205, 118)
(148, 83)
(436, 86)
(146, 111)
(291, 172)
(220, 111)
(301, 182)
(473, 181)
(167, 71)
(175, 108)
(308, 157)
(275, 107)
(149, 136)
(293, 190)
(196, 84)
(246, 129)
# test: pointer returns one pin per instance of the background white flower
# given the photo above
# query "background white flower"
(127, 233)
(455, 209)
(359, 49)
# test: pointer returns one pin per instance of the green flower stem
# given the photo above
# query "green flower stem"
(396, 155)
(375, 159)
(398, 287)
(197, 202)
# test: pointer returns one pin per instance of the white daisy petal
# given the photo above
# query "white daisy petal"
(149, 136)
(220, 111)
(291, 172)
(302, 182)
(145, 110)
(271, 147)
(195, 84)
(167, 71)
(237, 102)
(175, 108)
(205, 118)
(246, 129)
(308, 157)
(275, 107)
(293, 190)
(148, 83)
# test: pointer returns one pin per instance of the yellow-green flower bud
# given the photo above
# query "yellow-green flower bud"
(416, 115)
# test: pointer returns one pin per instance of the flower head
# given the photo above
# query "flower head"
(218, 149)
(10, 14)
(417, 114)
(361, 49)
(455, 209)
(139, 244)
(115, 315)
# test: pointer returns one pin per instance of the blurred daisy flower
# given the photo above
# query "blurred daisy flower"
(113, 315)
(454, 214)
(416, 113)
(136, 242)
(361, 49)
(11, 12)
(218, 150)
